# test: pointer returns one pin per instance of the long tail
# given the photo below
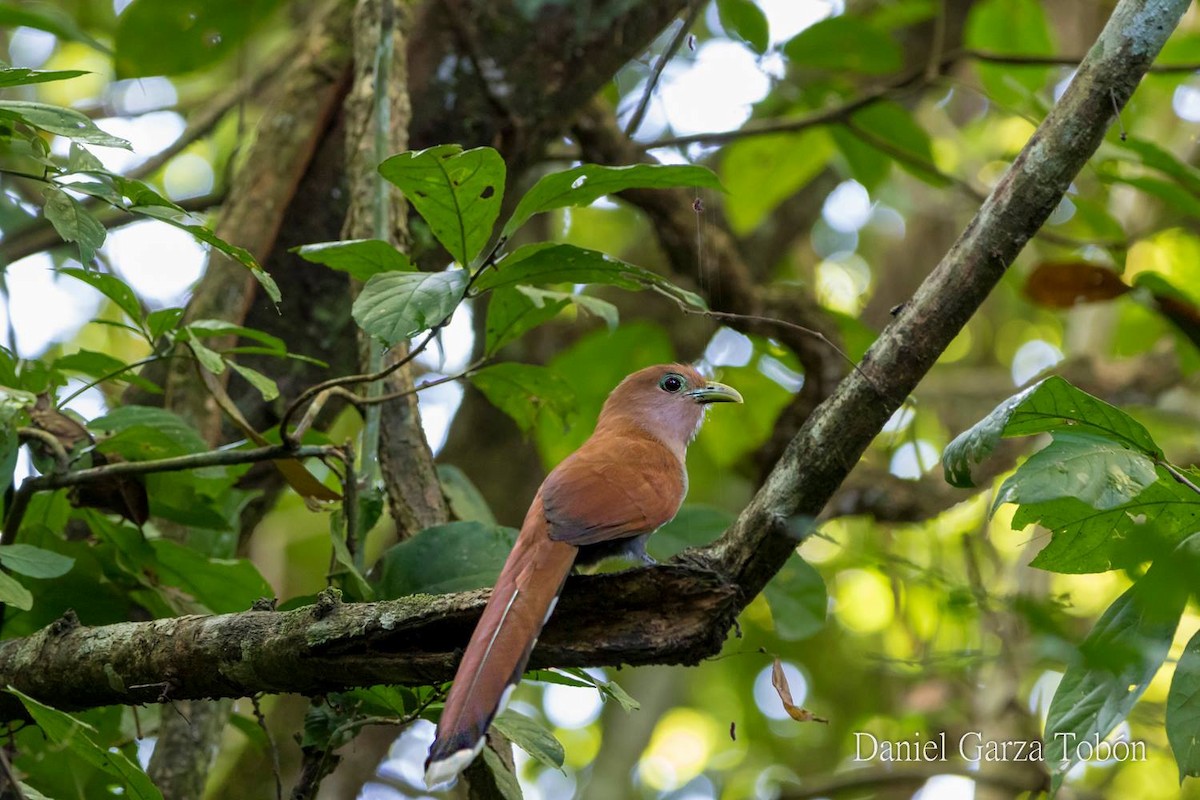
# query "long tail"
(521, 602)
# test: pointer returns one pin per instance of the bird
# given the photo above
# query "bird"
(604, 500)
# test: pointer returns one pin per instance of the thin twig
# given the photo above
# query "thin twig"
(6, 766)
(1178, 476)
(639, 113)
(350, 506)
(262, 723)
(214, 458)
(61, 458)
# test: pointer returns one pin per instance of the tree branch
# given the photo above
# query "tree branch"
(674, 613)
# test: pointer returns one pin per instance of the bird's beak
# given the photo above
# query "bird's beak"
(713, 392)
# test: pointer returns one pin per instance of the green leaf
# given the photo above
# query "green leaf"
(692, 526)
(585, 184)
(1156, 157)
(345, 571)
(219, 327)
(222, 585)
(76, 736)
(892, 130)
(160, 322)
(73, 222)
(445, 558)
(543, 263)
(80, 159)
(360, 258)
(14, 76)
(507, 785)
(13, 593)
(866, 163)
(574, 676)
(1009, 27)
(525, 392)
(511, 313)
(1089, 540)
(34, 562)
(532, 737)
(744, 20)
(394, 306)
(763, 171)
(110, 286)
(49, 18)
(798, 599)
(1176, 197)
(156, 38)
(845, 44)
(1090, 468)
(14, 412)
(458, 193)
(466, 501)
(210, 359)
(1183, 711)
(265, 386)
(65, 122)
(1119, 657)
(1052, 404)
(173, 427)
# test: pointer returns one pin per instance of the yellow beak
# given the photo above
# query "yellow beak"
(713, 392)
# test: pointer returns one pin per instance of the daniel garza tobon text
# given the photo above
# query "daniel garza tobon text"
(972, 746)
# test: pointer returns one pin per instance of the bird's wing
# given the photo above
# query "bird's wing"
(619, 488)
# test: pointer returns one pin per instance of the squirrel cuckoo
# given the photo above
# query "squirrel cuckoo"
(627, 480)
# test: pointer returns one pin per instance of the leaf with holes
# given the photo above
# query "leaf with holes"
(395, 306)
(458, 192)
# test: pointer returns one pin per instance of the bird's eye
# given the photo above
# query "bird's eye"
(671, 383)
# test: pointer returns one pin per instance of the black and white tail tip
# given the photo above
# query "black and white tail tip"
(442, 772)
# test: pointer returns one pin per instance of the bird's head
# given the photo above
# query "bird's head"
(668, 401)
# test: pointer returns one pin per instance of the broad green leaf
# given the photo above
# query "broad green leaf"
(1119, 657)
(845, 44)
(360, 258)
(265, 386)
(511, 313)
(1176, 197)
(543, 263)
(73, 222)
(219, 327)
(1090, 468)
(110, 286)
(574, 676)
(744, 20)
(866, 163)
(445, 558)
(156, 38)
(34, 562)
(458, 193)
(13, 593)
(692, 526)
(222, 585)
(532, 737)
(1085, 539)
(1052, 404)
(80, 159)
(507, 785)
(892, 130)
(798, 599)
(585, 184)
(1183, 711)
(159, 323)
(525, 392)
(380, 701)
(394, 306)
(186, 438)
(466, 501)
(50, 18)
(15, 76)
(76, 736)
(761, 172)
(209, 359)
(1009, 27)
(65, 122)
(1157, 157)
